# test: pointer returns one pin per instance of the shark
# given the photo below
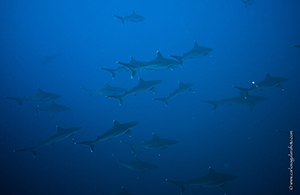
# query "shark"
(141, 87)
(115, 71)
(251, 100)
(196, 52)
(248, 2)
(107, 90)
(40, 96)
(159, 63)
(268, 82)
(53, 108)
(136, 165)
(133, 65)
(49, 59)
(212, 179)
(183, 87)
(297, 46)
(60, 135)
(132, 18)
(117, 130)
(154, 143)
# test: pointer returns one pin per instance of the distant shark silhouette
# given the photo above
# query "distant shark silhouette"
(141, 87)
(183, 87)
(248, 2)
(118, 129)
(61, 134)
(154, 143)
(212, 179)
(196, 52)
(107, 90)
(115, 71)
(133, 65)
(40, 96)
(53, 108)
(159, 63)
(132, 18)
(137, 165)
(49, 59)
(251, 100)
(268, 82)
(298, 46)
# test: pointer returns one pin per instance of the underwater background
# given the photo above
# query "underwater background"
(248, 42)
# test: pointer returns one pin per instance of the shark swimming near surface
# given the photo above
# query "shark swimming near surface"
(40, 96)
(248, 2)
(136, 165)
(141, 87)
(49, 59)
(60, 135)
(268, 82)
(159, 63)
(132, 18)
(53, 108)
(251, 100)
(212, 179)
(154, 143)
(196, 52)
(117, 130)
(107, 90)
(183, 87)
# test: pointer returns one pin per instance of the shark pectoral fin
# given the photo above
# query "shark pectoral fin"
(225, 188)
(19, 100)
(36, 109)
(87, 90)
(244, 90)
(118, 97)
(121, 18)
(141, 173)
(153, 90)
(132, 146)
(162, 150)
(163, 99)
(128, 133)
(88, 143)
(251, 107)
(280, 86)
(32, 150)
(191, 90)
(178, 183)
(112, 71)
(215, 103)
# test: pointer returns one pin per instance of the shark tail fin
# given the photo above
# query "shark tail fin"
(88, 143)
(182, 185)
(133, 72)
(214, 103)
(244, 90)
(121, 18)
(179, 58)
(36, 109)
(163, 99)
(87, 90)
(132, 146)
(112, 71)
(32, 150)
(118, 97)
(19, 100)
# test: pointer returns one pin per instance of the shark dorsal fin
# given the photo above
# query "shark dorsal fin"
(39, 90)
(158, 55)
(133, 12)
(154, 136)
(141, 80)
(180, 83)
(132, 59)
(195, 44)
(116, 123)
(106, 84)
(268, 76)
(211, 171)
(59, 128)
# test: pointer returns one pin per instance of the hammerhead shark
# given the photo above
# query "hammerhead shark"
(251, 100)
(183, 87)
(137, 165)
(40, 96)
(268, 82)
(53, 108)
(107, 90)
(60, 134)
(132, 18)
(141, 87)
(212, 179)
(196, 52)
(154, 143)
(159, 63)
(118, 129)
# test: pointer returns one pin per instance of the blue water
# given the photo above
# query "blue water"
(247, 41)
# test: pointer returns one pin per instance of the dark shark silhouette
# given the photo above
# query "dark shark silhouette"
(212, 179)
(132, 18)
(53, 108)
(40, 96)
(118, 129)
(60, 134)
(248, 2)
(107, 90)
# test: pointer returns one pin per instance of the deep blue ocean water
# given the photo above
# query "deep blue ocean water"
(248, 42)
